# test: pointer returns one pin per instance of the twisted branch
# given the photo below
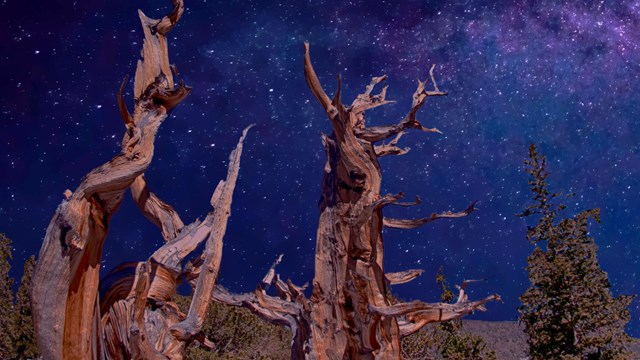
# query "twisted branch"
(417, 314)
(414, 223)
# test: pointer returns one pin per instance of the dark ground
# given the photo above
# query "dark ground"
(508, 339)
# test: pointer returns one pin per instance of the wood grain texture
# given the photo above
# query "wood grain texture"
(348, 315)
(135, 315)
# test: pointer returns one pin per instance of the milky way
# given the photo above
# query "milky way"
(564, 76)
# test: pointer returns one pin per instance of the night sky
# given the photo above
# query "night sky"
(565, 76)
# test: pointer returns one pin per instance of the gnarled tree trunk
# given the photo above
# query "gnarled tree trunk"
(134, 316)
(349, 315)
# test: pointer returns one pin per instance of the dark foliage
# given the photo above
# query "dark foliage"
(26, 346)
(238, 335)
(568, 311)
(7, 323)
(17, 338)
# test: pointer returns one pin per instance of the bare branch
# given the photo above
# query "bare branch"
(249, 301)
(157, 211)
(124, 112)
(267, 280)
(172, 253)
(402, 277)
(365, 101)
(417, 314)
(408, 204)
(167, 23)
(433, 81)
(388, 199)
(377, 133)
(154, 76)
(213, 252)
(391, 148)
(414, 223)
(314, 84)
(215, 197)
(175, 251)
(384, 150)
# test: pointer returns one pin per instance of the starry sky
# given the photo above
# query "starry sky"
(564, 75)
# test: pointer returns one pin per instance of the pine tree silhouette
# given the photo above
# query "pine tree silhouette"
(568, 311)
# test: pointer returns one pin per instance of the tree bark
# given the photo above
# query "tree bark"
(349, 315)
(135, 317)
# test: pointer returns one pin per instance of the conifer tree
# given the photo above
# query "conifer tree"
(25, 344)
(568, 311)
(7, 320)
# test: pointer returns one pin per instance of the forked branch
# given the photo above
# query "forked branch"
(416, 314)
(377, 133)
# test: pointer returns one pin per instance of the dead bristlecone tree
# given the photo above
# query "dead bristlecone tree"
(133, 317)
(348, 315)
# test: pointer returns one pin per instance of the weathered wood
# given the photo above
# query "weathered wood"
(349, 315)
(136, 318)
(402, 277)
(414, 223)
(290, 309)
(156, 210)
(65, 283)
(192, 325)
(144, 290)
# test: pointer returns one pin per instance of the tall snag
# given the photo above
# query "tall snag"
(348, 315)
(133, 317)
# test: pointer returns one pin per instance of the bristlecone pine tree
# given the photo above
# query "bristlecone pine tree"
(568, 311)
(348, 315)
(134, 316)
(130, 313)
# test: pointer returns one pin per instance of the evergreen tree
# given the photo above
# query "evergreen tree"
(568, 311)
(7, 319)
(26, 346)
